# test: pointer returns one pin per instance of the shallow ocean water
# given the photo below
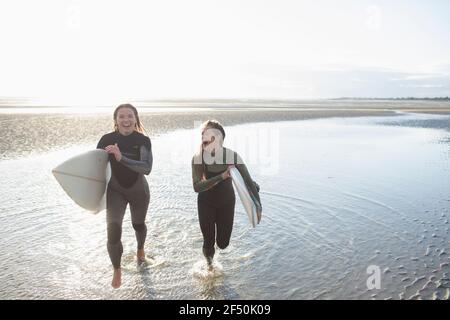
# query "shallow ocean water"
(343, 200)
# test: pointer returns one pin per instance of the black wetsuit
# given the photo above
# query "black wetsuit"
(216, 208)
(216, 199)
(127, 186)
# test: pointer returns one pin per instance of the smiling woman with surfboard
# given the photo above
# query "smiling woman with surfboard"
(130, 155)
(212, 169)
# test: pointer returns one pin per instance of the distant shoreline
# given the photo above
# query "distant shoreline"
(318, 110)
(293, 108)
(394, 99)
(14, 102)
(91, 125)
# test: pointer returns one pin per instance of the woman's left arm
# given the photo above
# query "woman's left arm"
(143, 166)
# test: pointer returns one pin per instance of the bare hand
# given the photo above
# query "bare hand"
(114, 149)
(226, 173)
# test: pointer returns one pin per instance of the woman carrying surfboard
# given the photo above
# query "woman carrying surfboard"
(130, 155)
(211, 180)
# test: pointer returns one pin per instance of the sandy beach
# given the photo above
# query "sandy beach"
(346, 190)
(18, 125)
(340, 112)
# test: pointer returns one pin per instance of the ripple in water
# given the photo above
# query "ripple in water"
(350, 195)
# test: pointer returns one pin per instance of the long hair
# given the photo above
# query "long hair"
(139, 127)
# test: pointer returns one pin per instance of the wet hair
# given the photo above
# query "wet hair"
(214, 124)
(138, 125)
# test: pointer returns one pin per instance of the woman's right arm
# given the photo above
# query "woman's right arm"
(200, 184)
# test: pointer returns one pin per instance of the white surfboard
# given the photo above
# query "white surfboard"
(84, 178)
(244, 195)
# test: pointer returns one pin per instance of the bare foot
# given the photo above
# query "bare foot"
(117, 278)
(140, 255)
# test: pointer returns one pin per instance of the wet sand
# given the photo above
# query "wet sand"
(35, 133)
(344, 195)
(357, 185)
(80, 128)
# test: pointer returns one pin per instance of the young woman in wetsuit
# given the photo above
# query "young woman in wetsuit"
(130, 155)
(211, 180)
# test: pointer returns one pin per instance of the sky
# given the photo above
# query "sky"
(100, 51)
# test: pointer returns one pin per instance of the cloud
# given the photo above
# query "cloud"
(334, 81)
(422, 86)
